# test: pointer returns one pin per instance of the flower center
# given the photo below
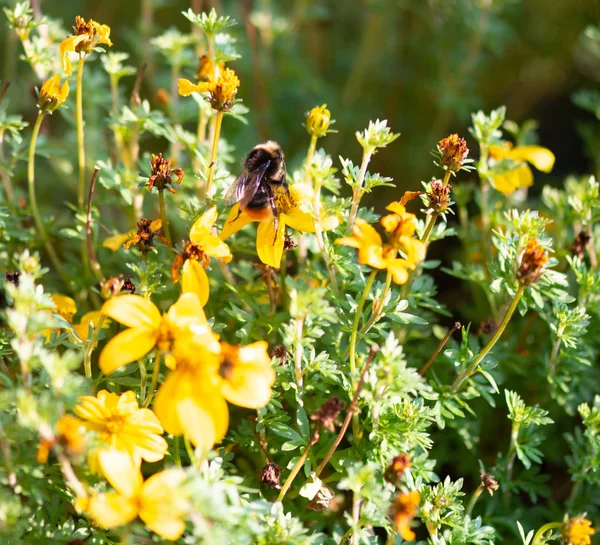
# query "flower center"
(194, 251)
(115, 424)
(226, 369)
(165, 336)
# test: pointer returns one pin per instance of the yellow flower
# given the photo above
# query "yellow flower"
(577, 531)
(520, 176)
(69, 435)
(122, 425)
(401, 227)
(157, 501)
(148, 329)
(295, 210)
(191, 401)
(86, 36)
(222, 89)
(372, 252)
(143, 238)
(196, 255)
(403, 511)
(318, 120)
(52, 94)
(65, 306)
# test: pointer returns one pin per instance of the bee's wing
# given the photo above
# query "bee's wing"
(244, 187)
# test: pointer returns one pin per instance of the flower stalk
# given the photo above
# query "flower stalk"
(80, 134)
(472, 368)
(163, 215)
(33, 200)
(357, 194)
(359, 309)
(213, 153)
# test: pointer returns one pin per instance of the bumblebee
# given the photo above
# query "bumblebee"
(262, 177)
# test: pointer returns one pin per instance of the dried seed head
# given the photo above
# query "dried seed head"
(395, 471)
(328, 413)
(128, 285)
(13, 278)
(439, 196)
(270, 475)
(532, 263)
(193, 251)
(488, 327)
(453, 152)
(288, 243)
(579, 244)
(144, 238)
(162, 174)
(488, 482)
(322, 499)
(280, 352)
(111, 287)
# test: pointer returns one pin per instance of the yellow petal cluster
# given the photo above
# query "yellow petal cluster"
(400, 226)
(295, 210)
(158, 501)
(122, 425)
(149, 330)
(222, 89)
(195, 257)
(52, 94)
(520, 176)
(317, 121)
(86, 36)
(404, 509)
(578, 531)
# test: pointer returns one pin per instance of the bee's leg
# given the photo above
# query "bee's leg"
(275, 212)
(238, 215)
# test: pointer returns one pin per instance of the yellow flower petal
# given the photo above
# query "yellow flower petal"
(269, 247)
(204, 419)
(514, 179)
(115, 242)
(195, 280)
(83, 327)
(111, 510)
(126, 347)
(186, 87)
(65, 306)
(235, 221)
(132, 311)
(329, 222)
(299, 220)
(205, 221)
(186, 311)
(119, 470)
(161, 507)
(541, 158)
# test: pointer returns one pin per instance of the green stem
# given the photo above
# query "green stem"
(176, 453)
(33, 201)
(91, 345)
(298, 353)
(377, 311)
(358, 190)
(80, 135)
(153, 381)
(298, 465)
(464, 375)
(537, 538)
(163, 215)
(309, 158)
(213, 153)
(473, 500)
(143, 379)
(90, 253)
(357, 315)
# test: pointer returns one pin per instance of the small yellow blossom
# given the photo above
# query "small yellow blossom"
(295, 210)
(191, 401)
(401, 226)
(520, 176)
(196, 254)
(86, 36)
(404, 509)
(222, 89)
(372, 251)
(52, 94)
(577, 531)
(70, 436)
(148, 329)
(122, 425)
(65, 306)
(157, 502)
(318, 120)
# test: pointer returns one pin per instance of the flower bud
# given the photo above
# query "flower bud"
(532, 263)
(52, 94)
(439, 196)
(318, 120)
(453, 151)
(577, 531)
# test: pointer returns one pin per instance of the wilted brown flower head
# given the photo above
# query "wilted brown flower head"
(13, 277)
(288, 243)
(322, 499)
(488, 482)
(192, 251)
(577, 531)
(270, 475)
(280, 352)
(532, 263)
(328, 413)
(128, 285)
(395, 471)
(488, 327)
(453, 152)
(162, 174)
(144, 238)
(403, 511)
(579, 244)
(439, 196)
(115, 285)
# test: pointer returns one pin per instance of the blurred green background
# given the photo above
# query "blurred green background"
(423, 65)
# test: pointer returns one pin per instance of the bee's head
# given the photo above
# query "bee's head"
(269, 152)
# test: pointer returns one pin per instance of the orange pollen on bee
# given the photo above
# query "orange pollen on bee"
(259, 215)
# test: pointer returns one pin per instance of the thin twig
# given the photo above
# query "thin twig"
(96, 269)
(135, 93)
(352, 408)
(440, 347)
(4, 89)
